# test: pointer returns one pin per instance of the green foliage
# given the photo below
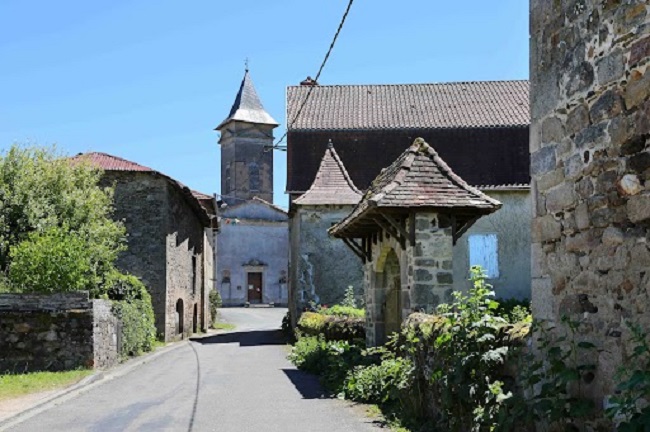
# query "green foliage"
(332, 360)
(349, 300)
(384, 384)
(514, 310)
(626, 408)
(332, 327)
(343, 311)
(215, 303)
(553, 378)
(132, 305)
(463, 349)
(53, 210)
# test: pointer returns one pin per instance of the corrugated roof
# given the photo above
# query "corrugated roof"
(332, 184)
(419, 178)
(248, 106)
(410, 106)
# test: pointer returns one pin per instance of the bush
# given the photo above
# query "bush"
(332, 360)
(343, 311)
(132, 305)
(380, 384)
(332, 327)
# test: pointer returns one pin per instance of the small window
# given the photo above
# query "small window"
(227, 186)
(484, 252)
(253, 177)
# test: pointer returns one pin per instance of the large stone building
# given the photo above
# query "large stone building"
(479, 128)
(252, 257)
(404, 230)
(313, 256)
(590, 166)
(170, 241)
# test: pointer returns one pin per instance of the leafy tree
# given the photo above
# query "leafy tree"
(56, 231)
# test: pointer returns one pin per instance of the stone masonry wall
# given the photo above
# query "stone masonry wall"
(426, 273)
(56, 332)
(322, 267)
(590, 167)
(139, 201)
(184, 258)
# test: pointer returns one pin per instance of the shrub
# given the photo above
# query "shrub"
(332, 327)
(381, 384)
(132, 305)
(343, 311)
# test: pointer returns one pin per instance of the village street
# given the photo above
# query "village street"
(237, 381)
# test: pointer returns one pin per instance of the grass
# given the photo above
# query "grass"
(223, 326)
(14, 385)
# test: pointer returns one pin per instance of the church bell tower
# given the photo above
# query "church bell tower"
(246, 148)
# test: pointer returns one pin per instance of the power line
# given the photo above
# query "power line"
(277, 145)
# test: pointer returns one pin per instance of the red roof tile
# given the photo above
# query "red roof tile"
(111, 163)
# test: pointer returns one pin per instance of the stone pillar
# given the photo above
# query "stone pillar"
(590, 168)
(430, 269)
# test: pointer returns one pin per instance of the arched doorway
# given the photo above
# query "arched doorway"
(179, 317)
(392, 286)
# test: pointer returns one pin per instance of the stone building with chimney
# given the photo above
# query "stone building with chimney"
(253, 243)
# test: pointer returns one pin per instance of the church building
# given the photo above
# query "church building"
(253, 243)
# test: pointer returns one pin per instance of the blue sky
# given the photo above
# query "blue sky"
(149, 80)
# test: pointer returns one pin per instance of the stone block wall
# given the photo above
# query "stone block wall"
(590, 167)
(425, 274)
(321, 267)
(56, 332)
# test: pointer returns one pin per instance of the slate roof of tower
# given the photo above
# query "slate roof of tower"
(248, 106)
(332, 184)
(482, 104)
(419, 178)
(109, 162)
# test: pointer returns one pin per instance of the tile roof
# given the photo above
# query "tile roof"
(332, 184)
(419, 178)
(248, 106)
(478, 104)
(109, 162)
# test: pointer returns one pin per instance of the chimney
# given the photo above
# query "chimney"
(308, 82)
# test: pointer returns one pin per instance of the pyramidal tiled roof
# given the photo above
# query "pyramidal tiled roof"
(248, 107)
(419, 178)
(332, 184)
(478, 104)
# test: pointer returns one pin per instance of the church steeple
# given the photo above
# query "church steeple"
(248, 107)
(246, 141)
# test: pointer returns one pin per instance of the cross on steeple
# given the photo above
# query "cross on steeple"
(246, 64)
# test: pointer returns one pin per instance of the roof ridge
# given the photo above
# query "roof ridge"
(118, 158)
(413, 84)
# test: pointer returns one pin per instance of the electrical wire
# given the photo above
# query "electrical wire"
(277, 145)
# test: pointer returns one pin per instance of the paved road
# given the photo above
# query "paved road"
(237, 381)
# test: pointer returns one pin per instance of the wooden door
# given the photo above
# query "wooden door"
(255, 287)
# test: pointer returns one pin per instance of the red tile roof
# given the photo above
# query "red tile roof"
(410, 106)
(111, 163)
(332, 184)
(419, 178)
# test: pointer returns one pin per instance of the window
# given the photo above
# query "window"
(484, 252)
(253, 177)
(226, 186)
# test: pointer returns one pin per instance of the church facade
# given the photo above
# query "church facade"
(253, 243)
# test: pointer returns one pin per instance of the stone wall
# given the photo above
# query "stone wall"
(590, 166)
(511, 225)
(321, 267)
(184, 259)
(56, 332)
(424, 275)
(140, 198)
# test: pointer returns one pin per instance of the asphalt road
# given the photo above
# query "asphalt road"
(236, 381)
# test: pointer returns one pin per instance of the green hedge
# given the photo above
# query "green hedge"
(332, 327)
